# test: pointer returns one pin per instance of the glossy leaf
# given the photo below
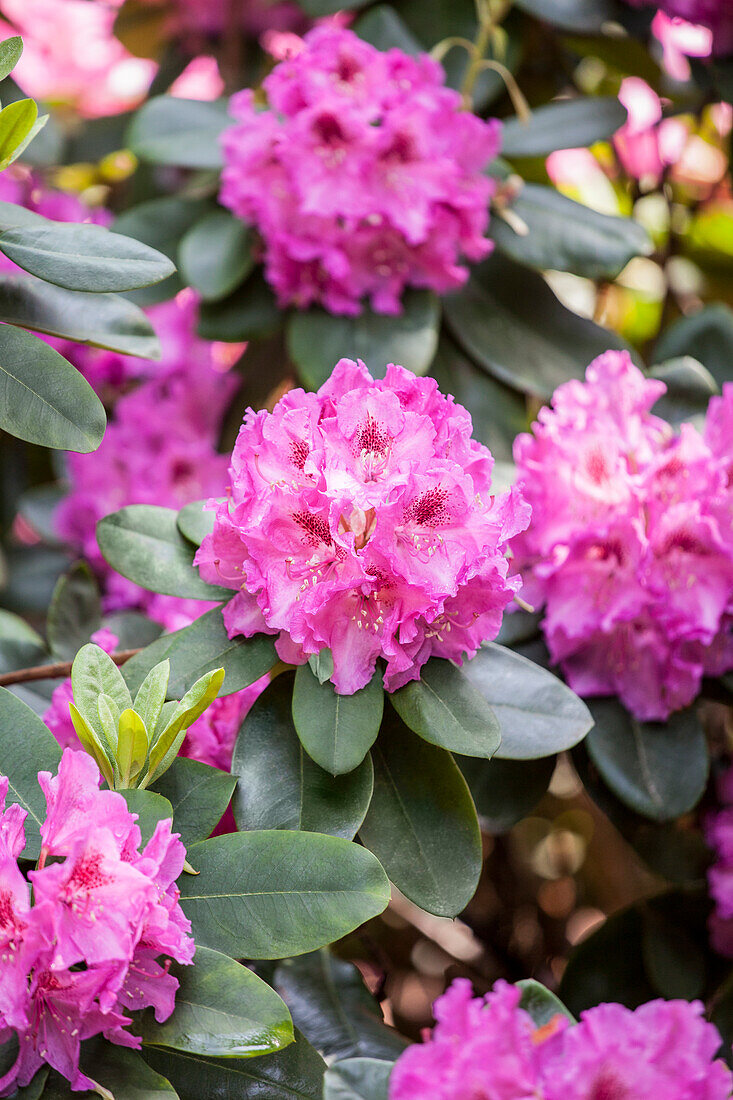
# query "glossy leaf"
(316, 339)
(336, 731)
(579, 15)
(43, 399)
(84, 257)
(161, 223)
(505, 791)
(199, 795)
(195, 522)
(542, 1005)
(658, 769)
(382, 27)
(10, 51)
(216, 254)
(182, 132)
(444, 707)
(93, 673)
(151, 695)
(305, 796)
(200, 647)
(124, 1073)
(689, 389)
(26, 747)
(357, 1079)
(250, 313)
(567, 236)
(505, 306)
(295, 1073)
(422, 824)
(538, 714)
(222, 1010)
(563, 124)
(333, 1008)
(706, 335)
(132, 745)
(143, 543)
(150, 808)
(101, 320)
(75, 612)
(270, 893)
(16, 123)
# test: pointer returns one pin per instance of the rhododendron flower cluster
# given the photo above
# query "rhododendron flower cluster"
(361, 519)
(365, 176)
(104, 923)
(159, 448)
(715, 15)
(489, 1048)
(719, 835)
(630, 548)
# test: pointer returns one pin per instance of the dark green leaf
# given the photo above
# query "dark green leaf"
(150, 809)
(143, 543)
(383, 28)
(216, 254)
(658, 769)
(538, 714)
(567, 236)
(518, 627)
(421, 823)
(123, 1072)
(38, 506)
(357, 1079)
(271, 893)
(200, 647)
(182, 132)
(199, 796)
(161, 223)
(26, 747)
(316, 339)
(222, 1010)
(75, 612)
(627, 55)
(43, 399)
(295, 1073)
(498, 413)
(505, 306)
(673, 960)
(336, 731)
(250, 313)
(305, 797)
(707, 336)
(444, 707)
(194, 522)
(317, 8)
(132, 628)
(84, 257)
(563, 124)
(505, 791)
(575, 15)
(540, 1003)
(20, 645)
(10, 51)
(102, 320)
(689, 389)
(32, 573)
(333, 1008)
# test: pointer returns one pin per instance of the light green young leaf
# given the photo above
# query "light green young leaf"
(33, 132)
(132, 745)
(151, 695)
(16, 122)
(109, 717)
(10, 51)
(94, 673)
(192, 706)
(91, 744)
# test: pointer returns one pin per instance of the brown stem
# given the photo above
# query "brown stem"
(56, 672)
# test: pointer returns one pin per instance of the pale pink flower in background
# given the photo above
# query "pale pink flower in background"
(715, 16)
(200, 79)
(680, 40)
(71, 57)
(361, 519)
(629, 550)
(364, 178)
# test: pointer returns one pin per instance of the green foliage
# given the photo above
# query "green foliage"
(707, 336)
(143, 543)
(75, 612)
(336, 731)
(305, 796)
(689, 389)
(182, 132)
(505, 791)
(199, 796)
(422, 824)
(316, 339)
(267, 894)
(564, 124)
(216, 254)
(194, 522)
(26, 747)
(357, 1079)
(542, 1005)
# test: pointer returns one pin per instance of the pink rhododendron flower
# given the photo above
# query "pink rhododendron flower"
(89, 947)
(680, 40)
(488, 1048)
(200, 79)
(630, 549)
(159, 448)
(714, 15)
(71, 57)
(365, 176)
(361, 519)
(646, 143)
